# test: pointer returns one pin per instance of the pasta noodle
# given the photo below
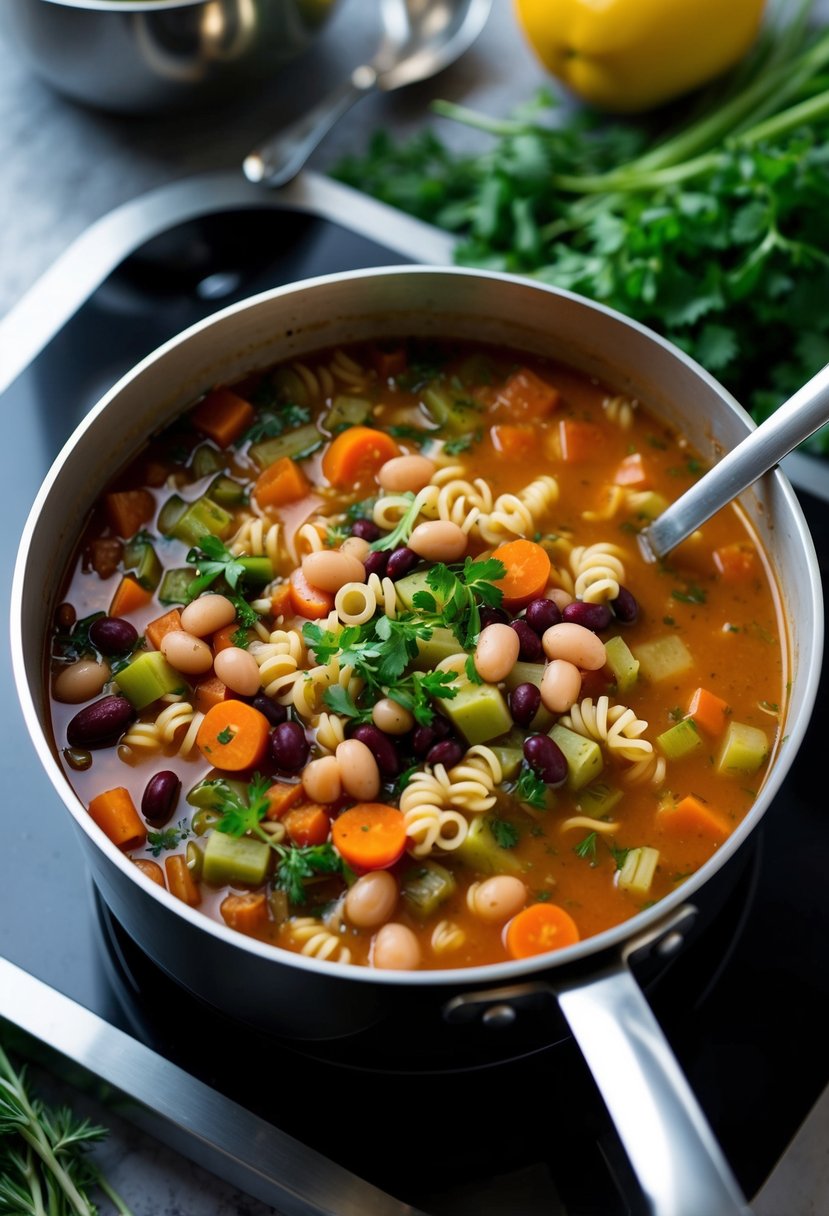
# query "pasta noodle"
(330, 730)
(162, 731)
(620, 410)
(316, 940)
(597, 571)
(603, 826)
(616, 726)
(447, 937)
(355, 603)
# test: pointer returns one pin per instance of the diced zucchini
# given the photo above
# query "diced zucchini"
(258, 570)
(456, 417)
(525, 673)
(227, 492)
(621, 662)
(345, 412)
(147, 677)
(426, 887)
(207, 460)
(663, 658)
(680, 740)
(510, 759)
(598, 799)
(479, 712)
(232, 859)
(433, 650)
(202, 518)
(744, 748)
(208, 794)
(584, 756)
(174, 585)
(481, 852)
(296, 444)
(638, 869)
(408, 587)
(646, 504)
(141, 558)
(170, 514)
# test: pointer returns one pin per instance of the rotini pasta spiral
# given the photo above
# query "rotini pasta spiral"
(307, 688)
(330, 730)
(651, 768)
(597, 571)
(165, 729)
(620, 410)
(430, 824)
(447, 936)
(316, 941)
(258, 538)
(616, 726)
(278, 659)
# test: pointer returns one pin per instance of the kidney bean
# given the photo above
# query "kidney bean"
(594, 617)
(376, 563)
(77, 758)
(625, 606)
(381, 748)
(101, 723)
(112, 635)
(366, 529)
(523, 703)
(441, 726)
(423, 738)
(546, 758)
(273, 711)
(494, 616)
(448, 753)
(401, 562)
(160, 796)
(529, 643)
(65, 616)
(289, 747)
(541, 614)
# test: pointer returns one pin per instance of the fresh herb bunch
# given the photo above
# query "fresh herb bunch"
(714, 234)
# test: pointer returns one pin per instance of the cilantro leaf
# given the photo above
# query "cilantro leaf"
(240, 816)
(298, 864)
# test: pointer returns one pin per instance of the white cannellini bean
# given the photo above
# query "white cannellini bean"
(330, 569)
(560, 686)
(238, 670)
(358, 770)
(438, 541)
(496, 653)
(559, 596)
(207, 614)
(497, 899)
(355, 546)
(576, 644)
(395, 948)
(391, 718)
(188, 654)
(404, 473)
(371, 900)
(80, 681)
(321, 779)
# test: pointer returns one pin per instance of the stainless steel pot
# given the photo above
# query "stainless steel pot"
(678, 1163)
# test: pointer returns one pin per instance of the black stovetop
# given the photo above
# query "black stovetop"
(744, 1007)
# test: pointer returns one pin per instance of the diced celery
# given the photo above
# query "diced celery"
(598, 799)
(147, 677)
(510, 759)
(202, 518)
(481, 852)
(621, 662)
(638, 869)
(345, 412)
(232, 859)
(646, 504)
(296, 444)
(433, 650)
(171, 513)
(141, 558)
(207, 460)
(663, 658)
(680, 740)
(208, 794)
(583, 756)
(744, 748)
(227, 492)
(456, 417)
(258, 570)
(426, 887)
(173, 589)
(479, 712)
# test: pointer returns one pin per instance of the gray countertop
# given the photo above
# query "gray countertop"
(65, 166)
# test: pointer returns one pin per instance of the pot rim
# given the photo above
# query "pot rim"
(459, 977)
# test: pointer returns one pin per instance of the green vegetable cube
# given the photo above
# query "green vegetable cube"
(638, 870)
(479, 712)
(426, 887)
(148, 677)
(456, 417)
(584, 756)
(431, 651)
(210, 794)
(296, 444)
(207, 460)
(598, 799)
(227, 492)
(680, 740)
(202, 518)
(744, 748)
(525, 673)
(621, 662)
(345, 412)
(258, 570)
(142, 559)
(170, 514)
(647, 504)
(510, 759)
(482, 853)
(174, 585)
(664, 658)
(232, 859)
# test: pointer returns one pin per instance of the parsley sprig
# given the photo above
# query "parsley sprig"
(213, 560)
(168, 838)
(403, 530)
(270, 423)
(454, 598)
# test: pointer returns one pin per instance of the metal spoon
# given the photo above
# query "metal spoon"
(794, 421)
(420, 38)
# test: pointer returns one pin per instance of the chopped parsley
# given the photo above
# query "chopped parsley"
(529, 788)
(506, 834)
(169, 838)
(587, 848)
(454, 447)
(691, 595)
(270, 423)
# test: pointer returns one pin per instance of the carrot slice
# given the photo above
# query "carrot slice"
(246, 913)
(281, 797)
(208, 692)
(222, 639)
(356, 454)
(233, 736)
(691, 817)
(222, 416)
(180, 881)
(309, 601)
(127, 510)
(526, 395)
(281, 482)
(540, 928)
(370, 836)
(161, 626)
(114, 812)
(151, 870)
(129, 597)
(309, 824)
(632, 472)
(281, 602)
(527, 572)
(708, 711)
(736, 562)
(580, 441)
(513, 442)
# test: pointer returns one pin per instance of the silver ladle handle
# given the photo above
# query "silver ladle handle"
(278, 160)
(794, 421)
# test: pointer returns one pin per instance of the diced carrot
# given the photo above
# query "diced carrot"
(246, 913)
(151, 870)
(162, 625)
(539, 929)
(526, 395)
(127, 510)
(308, 824)
(370, 836)
(281, 602)
(106, 555)
(579, 441)
(222, 639)
(281, 482)
(281, 797)
(115, 814)
(632, 472)
(129, 597)
(309, 601)
(180, 881)
(233, 736)
(356, 454)
(736, 562)
(691, 817)
(222, 416)
(388, 360)
(208, 692)
(527, 572)
(708, 711)
(513, 442)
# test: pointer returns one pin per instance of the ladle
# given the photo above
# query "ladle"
(420, 38)
(794, 421)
